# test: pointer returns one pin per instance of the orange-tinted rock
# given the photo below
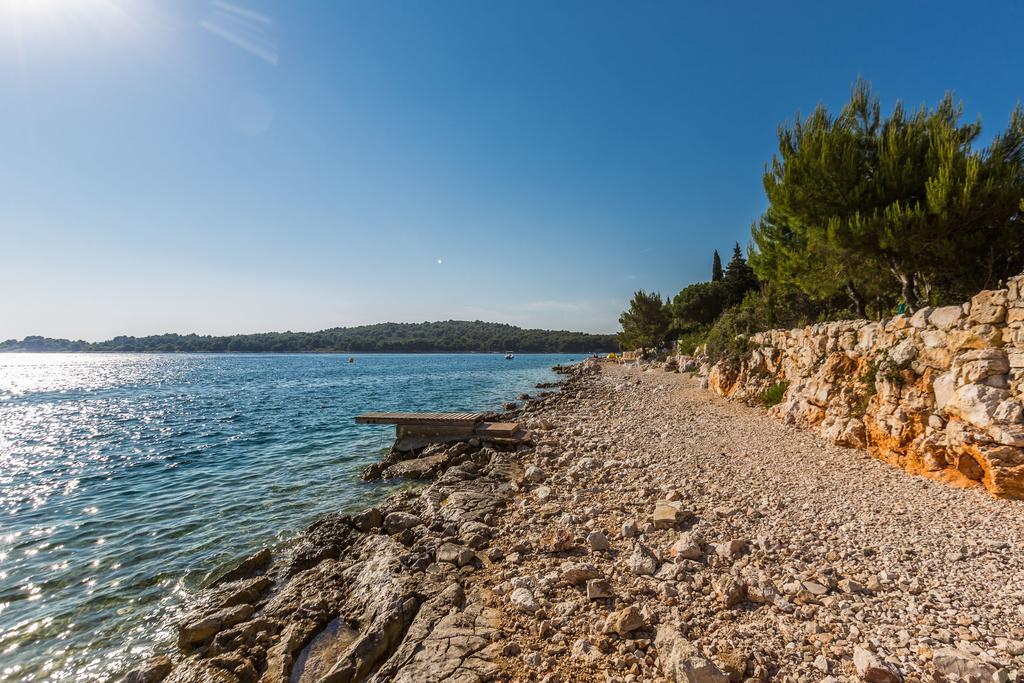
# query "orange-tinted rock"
(935, 394)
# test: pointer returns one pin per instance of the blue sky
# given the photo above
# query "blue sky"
(242, 166)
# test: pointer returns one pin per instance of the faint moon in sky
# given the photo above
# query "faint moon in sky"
(438, 261)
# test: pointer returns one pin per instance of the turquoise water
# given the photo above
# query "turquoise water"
(126, 481)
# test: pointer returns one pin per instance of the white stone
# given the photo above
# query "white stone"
(920, 317)
(575, 573)
(946, 317)
(904, 352)
(534, 474)
(523, 599)
(597, 541)
(934, 339)
(642, 562)
(680, 660)
(1007, 435)
(976, 404)
(944, 387)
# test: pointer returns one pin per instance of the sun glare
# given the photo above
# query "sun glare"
(27, 16)
(32, 28)
(36, 9)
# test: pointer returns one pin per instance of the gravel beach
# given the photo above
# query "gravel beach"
(654, 532)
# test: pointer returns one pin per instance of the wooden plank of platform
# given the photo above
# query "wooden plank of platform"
(416, 430)
(453, 419)
(497, 430)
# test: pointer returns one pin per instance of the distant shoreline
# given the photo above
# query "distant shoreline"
(89, 352)
(448, 336)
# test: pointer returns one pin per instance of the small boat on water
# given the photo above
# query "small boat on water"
(509, 355)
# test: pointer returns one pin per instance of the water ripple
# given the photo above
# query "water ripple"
(126, 481)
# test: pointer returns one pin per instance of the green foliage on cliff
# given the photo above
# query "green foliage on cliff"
(451, 336)
(896, 208)
(773, 395)
(865, 212)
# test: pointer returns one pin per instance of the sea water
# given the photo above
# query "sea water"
(127, 481)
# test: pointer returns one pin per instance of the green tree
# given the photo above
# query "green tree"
(895, 207)
(716, 267)
(646, 323)
(698, 304)
(739, 278)
(791, 262)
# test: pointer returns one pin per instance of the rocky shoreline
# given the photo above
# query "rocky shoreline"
(650, 532)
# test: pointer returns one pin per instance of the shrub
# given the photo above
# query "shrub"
(688, 341)
(729, 337)
(773, 395)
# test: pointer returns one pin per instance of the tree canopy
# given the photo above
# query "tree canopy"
(645, 325)
(652, 323)
(891, 208)
(739, 278)
(865, 212)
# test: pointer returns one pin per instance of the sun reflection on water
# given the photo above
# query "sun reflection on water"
(121, 476)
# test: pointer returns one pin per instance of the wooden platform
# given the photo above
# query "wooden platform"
(420, 418)
(416, 430)
(497, 430)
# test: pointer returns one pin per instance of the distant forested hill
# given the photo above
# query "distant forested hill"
(447, 336)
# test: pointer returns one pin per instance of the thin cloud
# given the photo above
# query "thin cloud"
(243, 28)
(243, 12)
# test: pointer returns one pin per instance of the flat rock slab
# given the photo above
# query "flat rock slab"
(416, 468)
(468, 506)
(458, 646)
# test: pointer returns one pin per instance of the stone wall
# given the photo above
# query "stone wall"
(940, 393)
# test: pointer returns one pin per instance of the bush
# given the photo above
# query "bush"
(688, 341)
(729, 337)
(772, 396)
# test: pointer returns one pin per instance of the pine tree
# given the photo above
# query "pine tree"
(892, 208)
(646, 324)
(698, 304)
(716, 267)
(739, 278)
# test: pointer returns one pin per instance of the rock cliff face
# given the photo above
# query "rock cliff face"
(940, 393)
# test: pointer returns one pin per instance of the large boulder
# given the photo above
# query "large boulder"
(976, 404)
(946, 317)
(977, 337)
(400, 521)
(979, 364)
(201, 629)
(989, 307)
(944, 387)
(152, 671)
